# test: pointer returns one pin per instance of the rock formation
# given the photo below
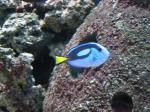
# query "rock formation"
(27, 39)
(122, 26)
(17, 90)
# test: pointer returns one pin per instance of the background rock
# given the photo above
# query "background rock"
(123, 28)
(66, 14)
(22, 30)
(7, 7)
(17, 92)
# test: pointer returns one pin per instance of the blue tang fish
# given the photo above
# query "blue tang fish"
(88, 55)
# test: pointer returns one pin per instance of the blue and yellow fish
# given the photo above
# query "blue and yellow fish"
(88, 55)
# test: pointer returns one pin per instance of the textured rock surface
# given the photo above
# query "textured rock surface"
(17, 93)
(4, 4)
(7, 7)
(125, 31)
(22, 30)
(65, 14)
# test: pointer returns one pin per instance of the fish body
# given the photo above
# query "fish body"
(88, 55)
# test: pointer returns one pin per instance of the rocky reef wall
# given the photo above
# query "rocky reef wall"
(31, 33)
(122, 26)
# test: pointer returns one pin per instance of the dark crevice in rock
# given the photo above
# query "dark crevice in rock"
(37, 7)
(63, 36)
(43, 66)
(40, 9)
(121, 102)
(42, 69)
(43, 63)
(3, 109)
(5, 12)
(16, 52)
(89, 38)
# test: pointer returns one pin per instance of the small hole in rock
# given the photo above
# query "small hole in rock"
(89, 38)
(121, 102)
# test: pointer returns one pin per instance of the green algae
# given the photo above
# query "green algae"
(120, 25)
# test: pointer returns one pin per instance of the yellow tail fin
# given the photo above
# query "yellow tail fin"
(60, 59)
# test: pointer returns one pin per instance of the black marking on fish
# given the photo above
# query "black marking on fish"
(72, 54)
